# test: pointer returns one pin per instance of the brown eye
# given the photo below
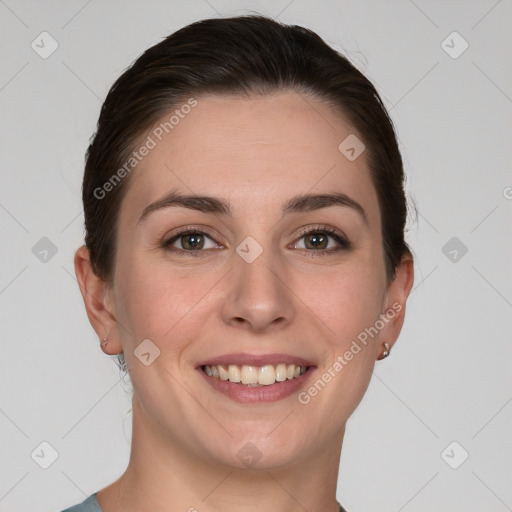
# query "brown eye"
(316, 241)
(322, 241)
(192, 241)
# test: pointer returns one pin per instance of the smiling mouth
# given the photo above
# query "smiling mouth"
(255, 376)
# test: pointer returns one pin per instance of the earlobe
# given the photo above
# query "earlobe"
(96, 297)
(397, 294)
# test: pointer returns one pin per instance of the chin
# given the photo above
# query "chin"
(261, 452)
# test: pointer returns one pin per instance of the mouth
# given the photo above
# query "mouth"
(255, 376)
(249, 379)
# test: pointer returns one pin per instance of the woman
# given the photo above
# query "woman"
(245, 256)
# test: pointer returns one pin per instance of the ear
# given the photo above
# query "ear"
(97, 296)
(393, 313)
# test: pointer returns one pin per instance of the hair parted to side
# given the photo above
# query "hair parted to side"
(247, 55)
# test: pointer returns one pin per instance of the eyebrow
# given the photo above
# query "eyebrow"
(310, 202)
(208, 204)
(205, 204)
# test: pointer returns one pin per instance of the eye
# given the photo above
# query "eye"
(189, 241)
(322, 240)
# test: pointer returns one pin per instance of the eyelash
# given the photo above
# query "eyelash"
(344, 243)
(342, 240)
(167, 245)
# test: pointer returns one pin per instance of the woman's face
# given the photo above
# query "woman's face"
(281, 263)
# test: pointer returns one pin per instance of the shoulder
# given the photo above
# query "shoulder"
(88, 505)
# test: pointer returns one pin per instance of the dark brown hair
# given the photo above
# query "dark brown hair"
(234, 56)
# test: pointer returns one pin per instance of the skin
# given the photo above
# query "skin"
(255, 153)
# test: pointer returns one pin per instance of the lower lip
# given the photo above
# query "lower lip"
(250, 395)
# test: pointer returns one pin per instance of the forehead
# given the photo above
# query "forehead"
(252, 151)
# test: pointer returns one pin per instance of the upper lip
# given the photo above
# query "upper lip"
(243, 359)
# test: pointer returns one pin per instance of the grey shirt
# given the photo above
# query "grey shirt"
(91, 505)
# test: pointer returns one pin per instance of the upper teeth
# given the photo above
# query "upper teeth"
(255, 375)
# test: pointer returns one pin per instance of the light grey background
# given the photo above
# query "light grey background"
(448, 378)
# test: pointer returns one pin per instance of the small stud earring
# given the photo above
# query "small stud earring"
(386, 351)
(104, 342)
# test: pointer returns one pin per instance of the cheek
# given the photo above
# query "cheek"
(156, 302)
(346, 305)
(346, 301)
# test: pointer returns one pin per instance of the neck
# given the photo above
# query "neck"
(161, 476)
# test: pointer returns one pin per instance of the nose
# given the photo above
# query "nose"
(258, 298)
